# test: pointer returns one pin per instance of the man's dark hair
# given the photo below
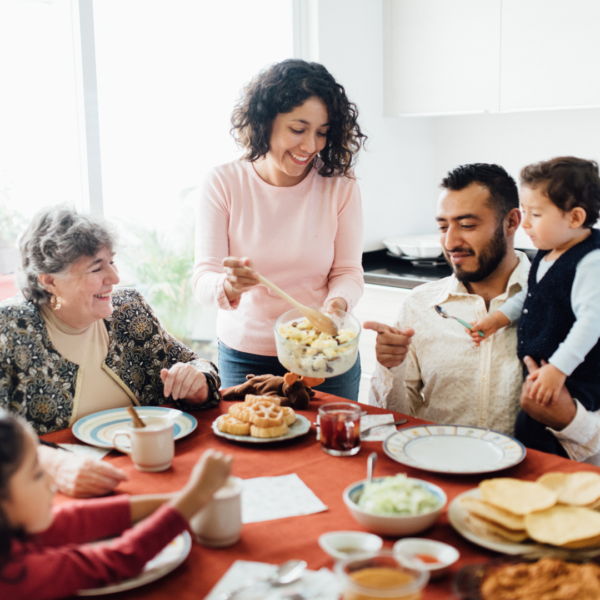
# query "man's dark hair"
(569, 182)
(504, 195)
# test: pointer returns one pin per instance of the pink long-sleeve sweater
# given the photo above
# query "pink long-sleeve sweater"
(307, 239)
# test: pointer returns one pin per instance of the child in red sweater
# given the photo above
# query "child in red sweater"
(43, 551)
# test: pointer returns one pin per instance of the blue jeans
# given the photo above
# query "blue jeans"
(234, 366)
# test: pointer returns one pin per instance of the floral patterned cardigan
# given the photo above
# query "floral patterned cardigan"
(43, 387)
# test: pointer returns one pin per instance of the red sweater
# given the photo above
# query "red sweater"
(58, 562)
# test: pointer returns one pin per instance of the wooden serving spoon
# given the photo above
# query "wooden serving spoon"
(319, 321)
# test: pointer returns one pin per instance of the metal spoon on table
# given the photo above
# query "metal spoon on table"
(288, 572)
(444, 314)
(364, 432)
(371, 462)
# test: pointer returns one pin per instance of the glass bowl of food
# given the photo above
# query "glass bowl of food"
(380, 575)
(303, 350)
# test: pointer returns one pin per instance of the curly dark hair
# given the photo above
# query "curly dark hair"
(569, 182)
(284, 86)
(12, 453)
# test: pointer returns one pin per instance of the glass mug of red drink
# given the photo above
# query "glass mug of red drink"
(339, 425)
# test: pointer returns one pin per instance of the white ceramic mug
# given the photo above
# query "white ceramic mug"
(152, 447)
(219, 524)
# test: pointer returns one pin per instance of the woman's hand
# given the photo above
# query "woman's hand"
(184, 381)
(208, 475)
(80, 476)
(240, 276)
(334, 304)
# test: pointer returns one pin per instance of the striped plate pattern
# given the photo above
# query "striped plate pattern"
(99, 428)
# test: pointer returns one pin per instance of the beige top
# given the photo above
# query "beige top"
(97, 387)
(445, 377)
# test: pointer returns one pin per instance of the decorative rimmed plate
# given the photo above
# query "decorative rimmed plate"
(454, 449)
(99, 428)
(457, 515)
(164, 562)
(300, 427)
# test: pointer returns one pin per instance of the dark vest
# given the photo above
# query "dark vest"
(547, 314)
(545, 323)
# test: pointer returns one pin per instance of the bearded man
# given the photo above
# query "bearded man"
(428, 366)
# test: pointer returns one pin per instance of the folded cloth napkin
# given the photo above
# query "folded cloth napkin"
(293, 390)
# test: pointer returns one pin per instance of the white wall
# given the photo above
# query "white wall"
(514, 140)
(396, 171)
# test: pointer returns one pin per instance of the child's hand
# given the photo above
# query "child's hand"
(208, 475)
(548, 382)
(488, 326)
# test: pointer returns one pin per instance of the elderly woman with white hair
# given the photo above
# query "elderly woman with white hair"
(74, 344)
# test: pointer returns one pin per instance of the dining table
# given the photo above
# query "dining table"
(327, 476)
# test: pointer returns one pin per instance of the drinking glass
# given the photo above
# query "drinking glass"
(339, 424)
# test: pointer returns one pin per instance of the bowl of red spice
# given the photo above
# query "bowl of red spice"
(436, 557)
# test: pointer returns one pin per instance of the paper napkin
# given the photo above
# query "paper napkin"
(242, 571)
(268, 498)
(85, 450)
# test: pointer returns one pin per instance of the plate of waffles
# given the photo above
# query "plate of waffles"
(260, 420)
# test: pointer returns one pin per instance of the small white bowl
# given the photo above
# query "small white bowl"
(445, 554)
(341, 544)
(393, 524)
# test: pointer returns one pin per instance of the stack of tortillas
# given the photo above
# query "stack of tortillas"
(558, 510)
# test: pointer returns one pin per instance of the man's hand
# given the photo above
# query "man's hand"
(392, 344)
(559, 414)
(80, 476)
(548, 381)
(184, 381)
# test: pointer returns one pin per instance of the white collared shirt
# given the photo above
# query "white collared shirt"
(445, 377)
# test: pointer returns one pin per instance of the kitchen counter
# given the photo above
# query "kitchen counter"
(382, 269)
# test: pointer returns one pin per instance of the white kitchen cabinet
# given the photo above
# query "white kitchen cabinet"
(441, 56)
(379, 303)
(445, 57)
(550, 54)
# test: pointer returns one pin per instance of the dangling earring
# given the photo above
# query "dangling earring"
(55, 302)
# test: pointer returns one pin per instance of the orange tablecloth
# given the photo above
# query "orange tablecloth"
(296, 537)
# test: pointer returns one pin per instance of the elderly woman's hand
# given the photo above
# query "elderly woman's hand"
(80, 476)
(183, 380)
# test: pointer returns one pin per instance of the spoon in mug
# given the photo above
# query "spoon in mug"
(288, 572)
(319, 321)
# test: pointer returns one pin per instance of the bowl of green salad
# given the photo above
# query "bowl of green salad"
(397, 505)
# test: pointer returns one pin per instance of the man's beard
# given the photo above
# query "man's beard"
(489, 259)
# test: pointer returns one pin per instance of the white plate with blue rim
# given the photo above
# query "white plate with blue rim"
(98, 429)
(167, 560)
(454, 449)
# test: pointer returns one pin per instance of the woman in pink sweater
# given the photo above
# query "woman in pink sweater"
(44, 552)
(290, 208)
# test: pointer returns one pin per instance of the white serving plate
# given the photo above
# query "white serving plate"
(98, 429)
(454, 449)
(167, 560)
(298, 428)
